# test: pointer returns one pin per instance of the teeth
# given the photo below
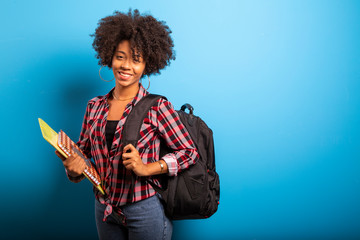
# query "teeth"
(124, 74)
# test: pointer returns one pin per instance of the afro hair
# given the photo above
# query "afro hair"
(147, 36)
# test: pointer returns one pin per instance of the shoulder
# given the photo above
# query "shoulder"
(163, 103)
(96, 101)
(164, 109)
(95, 107)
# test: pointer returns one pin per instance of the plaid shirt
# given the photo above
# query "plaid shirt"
(162, 122)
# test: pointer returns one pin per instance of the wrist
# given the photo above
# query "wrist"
(161, 163)
(154, 168)
(72, 174)
(75, 178)
(147, 170)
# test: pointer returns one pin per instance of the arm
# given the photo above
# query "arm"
(177, 138)
(75, 165)
(132, 161)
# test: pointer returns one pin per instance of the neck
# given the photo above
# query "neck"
(126, 92)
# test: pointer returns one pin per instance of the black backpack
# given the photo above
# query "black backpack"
(195, 192)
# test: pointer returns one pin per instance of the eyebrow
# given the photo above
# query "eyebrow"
(121, 52)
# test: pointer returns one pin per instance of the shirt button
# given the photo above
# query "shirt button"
(108, 208)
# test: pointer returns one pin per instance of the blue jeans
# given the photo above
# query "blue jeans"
(145, 220)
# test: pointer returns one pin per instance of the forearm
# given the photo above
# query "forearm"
(155, 168)
(184, 152)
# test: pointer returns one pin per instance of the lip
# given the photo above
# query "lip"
(124, 75)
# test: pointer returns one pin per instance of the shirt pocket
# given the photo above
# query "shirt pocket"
(148, 132)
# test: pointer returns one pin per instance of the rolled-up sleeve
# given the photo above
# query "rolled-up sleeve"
(176, 136)
(171, 163)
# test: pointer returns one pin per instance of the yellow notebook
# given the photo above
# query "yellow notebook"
(61, 142)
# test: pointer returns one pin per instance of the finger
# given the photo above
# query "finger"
(73, 162)
(78, 167)
(129, 148)
(82, 163)
(83, 166)
(60, 155)
(76, 159)
(70, 161)
(128, 165)
(74, 155)
(79, 159)
(126, 156)
(129, 155)
(127, 161)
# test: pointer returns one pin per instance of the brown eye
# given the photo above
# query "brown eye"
(137, 58)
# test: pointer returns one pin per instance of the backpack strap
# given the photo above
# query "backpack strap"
(132, 126)
(131, 129)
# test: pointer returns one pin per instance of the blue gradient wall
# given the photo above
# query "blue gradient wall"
(277, 81)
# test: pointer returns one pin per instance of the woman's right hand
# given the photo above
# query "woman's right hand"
(74, 165)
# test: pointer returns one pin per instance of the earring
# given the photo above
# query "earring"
(101, 77)
(148, 80)
(149, 83)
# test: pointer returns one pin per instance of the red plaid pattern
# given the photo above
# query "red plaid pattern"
(162, 122)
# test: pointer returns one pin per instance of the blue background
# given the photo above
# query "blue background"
(277, 81)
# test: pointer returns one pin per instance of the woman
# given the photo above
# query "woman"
(133, 45)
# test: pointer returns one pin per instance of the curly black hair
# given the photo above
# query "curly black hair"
(148, 36)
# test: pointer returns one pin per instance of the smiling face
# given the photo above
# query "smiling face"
(126, 69)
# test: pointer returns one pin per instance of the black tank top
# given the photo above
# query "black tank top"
(110, 132)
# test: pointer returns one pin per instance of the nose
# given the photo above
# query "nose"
(126, 64)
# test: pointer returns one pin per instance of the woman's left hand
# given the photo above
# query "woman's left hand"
(132, 161)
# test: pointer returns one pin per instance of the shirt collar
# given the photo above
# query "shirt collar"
(141, 93)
